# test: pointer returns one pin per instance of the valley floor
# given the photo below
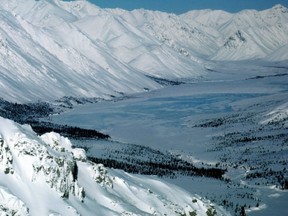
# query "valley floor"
(234, 120)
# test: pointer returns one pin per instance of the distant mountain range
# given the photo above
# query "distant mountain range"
(50, 48)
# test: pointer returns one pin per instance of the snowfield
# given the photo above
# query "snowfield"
(166, 114)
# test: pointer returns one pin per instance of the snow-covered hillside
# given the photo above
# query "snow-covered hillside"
(50, 49)
(248, 34)
(46, 176)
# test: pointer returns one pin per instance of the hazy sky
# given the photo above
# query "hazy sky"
(182, 6)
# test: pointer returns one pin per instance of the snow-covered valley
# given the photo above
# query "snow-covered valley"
(187, 113)
(222, 138)
(236, 122)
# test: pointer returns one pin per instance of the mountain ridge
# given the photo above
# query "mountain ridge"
(58, 49)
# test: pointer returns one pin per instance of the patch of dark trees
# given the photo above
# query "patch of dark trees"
(278, 67)
(229, 119)
(69, 102)
(235, 138)
(245, 138)
(164, 82)
(22, 113)
(164, 168)
(260, 138)
(75, 172)
(148, 161)
(268, 76)
(278, 176)
(212, 123)
(67, 131)
(31, 113)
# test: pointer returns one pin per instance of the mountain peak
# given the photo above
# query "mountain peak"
(280, 8)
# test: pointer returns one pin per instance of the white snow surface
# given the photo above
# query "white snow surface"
(52, 48)
(280, 54)
(38, 177)
(278, 115)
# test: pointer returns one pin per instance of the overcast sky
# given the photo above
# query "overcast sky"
(182, 6)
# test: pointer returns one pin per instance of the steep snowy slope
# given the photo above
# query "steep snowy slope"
(280, 54)
(46, 176)
(248, 34)
(42, 62)
(57, 48)
(213, 18)
(52, 48)
(261, 33)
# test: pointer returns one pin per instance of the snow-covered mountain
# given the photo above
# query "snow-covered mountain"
(248, 34)
(50, 48)
(46, 176)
